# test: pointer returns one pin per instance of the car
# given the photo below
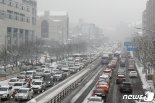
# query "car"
(121, 71)
(48, 80)
(113, 63)
(47, 72)
(133, 74)
(19, 85)
(38, 86)
(22, 78)
(23, 73)
(105, 78)
(24, 94)
(30, 74)
(66, 71)
(123, 62)
(125, 87)
(12, 81)
(6, 92)
(73, 70)
(100, 93)
(58, 76)
(40, 71)
(34, 78)
(131, 64)
(55, 71)
(108, 71)
(120, 78)
(95, 99)
(131, 67)
(103, 85)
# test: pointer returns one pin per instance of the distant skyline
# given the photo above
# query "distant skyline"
(107, 14)
(101, 12)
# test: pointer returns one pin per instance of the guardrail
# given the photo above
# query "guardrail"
(58, 92)
(85, 91)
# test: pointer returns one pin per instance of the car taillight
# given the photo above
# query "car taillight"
(103, 94)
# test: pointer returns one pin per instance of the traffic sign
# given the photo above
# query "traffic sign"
(131, 49)
(128, 44)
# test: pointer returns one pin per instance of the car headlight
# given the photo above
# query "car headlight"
(25, 95)
(5, 94)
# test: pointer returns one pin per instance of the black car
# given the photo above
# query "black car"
(120, 78)
(126, 87)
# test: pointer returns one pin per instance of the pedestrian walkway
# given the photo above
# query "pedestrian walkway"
(146, 84)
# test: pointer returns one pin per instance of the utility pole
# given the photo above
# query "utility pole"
(5, 55)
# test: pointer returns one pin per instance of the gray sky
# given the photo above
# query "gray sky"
(105, 13)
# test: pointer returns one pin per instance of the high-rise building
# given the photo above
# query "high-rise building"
(148, 18)
(18, 22)
(53, 26)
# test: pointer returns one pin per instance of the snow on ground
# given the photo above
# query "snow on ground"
(147, 85)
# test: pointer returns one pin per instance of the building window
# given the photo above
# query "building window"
(2, 14)
(28, 9)
(5, 1)
(10, 14)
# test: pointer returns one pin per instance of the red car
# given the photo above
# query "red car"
(103, 85)
(100, 93)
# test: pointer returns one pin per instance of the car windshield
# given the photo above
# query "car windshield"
(3, 89)
(18, 84)
(47, 72)
(39, 70)
(13, 80)
(22, 91)
(37, 83)
(127, 84)
(29, 73)
(20, 77)
(36, 78)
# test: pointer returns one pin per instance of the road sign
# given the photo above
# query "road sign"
(131, 49)
(128, 44)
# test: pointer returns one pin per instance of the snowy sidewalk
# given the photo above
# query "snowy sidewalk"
(146, 84)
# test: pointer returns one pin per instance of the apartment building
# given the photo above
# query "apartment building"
(17, 22)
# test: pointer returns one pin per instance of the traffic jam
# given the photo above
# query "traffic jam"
(30, 83)
(122, 64)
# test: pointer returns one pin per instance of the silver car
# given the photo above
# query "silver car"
(24, 94)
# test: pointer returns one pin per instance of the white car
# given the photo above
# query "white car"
(133, 74)
(47, 72)
(24, 94)
(95, 99)
(22, 78)
(30, 74)
(13, 81)
(6, 92)
(38, 86)
(19, 85)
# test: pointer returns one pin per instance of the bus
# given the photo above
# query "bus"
(105, 59)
